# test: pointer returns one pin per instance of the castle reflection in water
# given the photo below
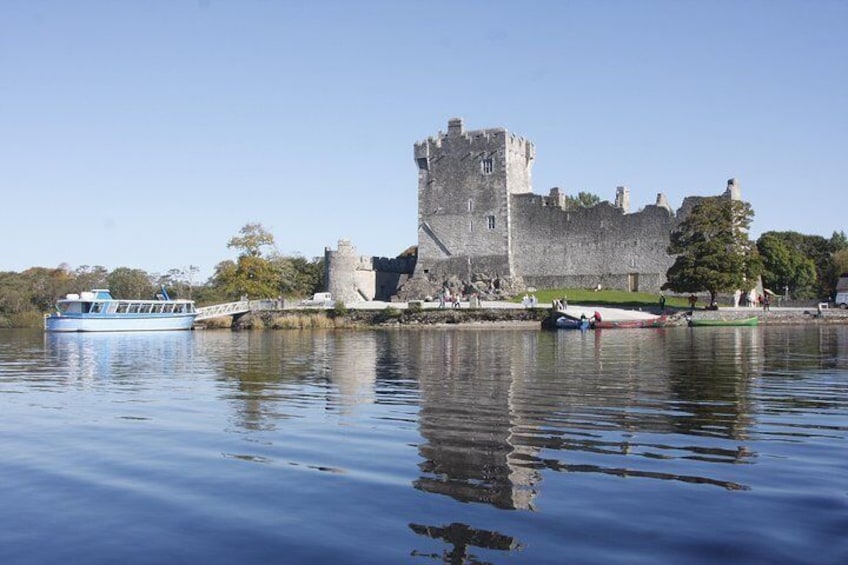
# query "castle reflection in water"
(495, 407)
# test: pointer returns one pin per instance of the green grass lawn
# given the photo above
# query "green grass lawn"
(611, 298)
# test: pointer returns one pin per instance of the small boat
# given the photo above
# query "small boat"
(97, 311)
(566, 323)
(660, 322)
(752, 321)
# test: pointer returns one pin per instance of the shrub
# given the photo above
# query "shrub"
(223, 322)
(387, 315)
(26, 319)
(339, 309)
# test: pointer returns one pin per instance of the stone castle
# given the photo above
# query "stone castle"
(482, 229)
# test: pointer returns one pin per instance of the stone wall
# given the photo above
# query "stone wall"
(355, 278)
(585, 247)
(464, 183)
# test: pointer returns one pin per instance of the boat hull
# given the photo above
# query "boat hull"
(752, 321)
(660, 322)
(565, 323)
(123, 323)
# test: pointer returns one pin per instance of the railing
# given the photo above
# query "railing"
(233, 308)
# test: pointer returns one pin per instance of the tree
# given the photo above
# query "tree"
(713, 251)
(785, 266)
(300, 277)
(821, 251)
(252, 274)
(252, 239)
(179, 282)
(582, 200)
(253, 277)
(14, 295)
(44, 285)
(840, 263)
(87, 278)
(838, 241)
(130, 283)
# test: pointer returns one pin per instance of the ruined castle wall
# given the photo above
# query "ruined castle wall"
(355, 278)
(584, 247)
(464, 181)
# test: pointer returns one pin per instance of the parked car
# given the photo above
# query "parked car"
(841, 299)
(324, 299)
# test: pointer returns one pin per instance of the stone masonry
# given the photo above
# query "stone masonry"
(482, 229)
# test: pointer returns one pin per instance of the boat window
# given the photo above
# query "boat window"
(112, 306)
(179, 308)
(96, 307)
(134, 308)
(144, 309)
(156, 309)
(168, 308)
(123, 307)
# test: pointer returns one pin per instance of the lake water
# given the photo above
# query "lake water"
(425, 446)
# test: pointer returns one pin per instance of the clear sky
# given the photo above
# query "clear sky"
(145, 134)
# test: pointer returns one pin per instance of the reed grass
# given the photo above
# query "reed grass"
(305, 321)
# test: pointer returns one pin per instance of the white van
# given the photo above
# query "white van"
(323, 299)
(841, 299)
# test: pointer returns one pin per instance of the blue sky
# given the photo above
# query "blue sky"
(145, 134)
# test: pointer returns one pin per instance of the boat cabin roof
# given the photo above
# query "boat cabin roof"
(101, 294)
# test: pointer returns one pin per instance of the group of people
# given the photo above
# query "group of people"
(455, 299)
(753, 299)
(446, 298)
(596, 317)
(529, 301)
(560, 304)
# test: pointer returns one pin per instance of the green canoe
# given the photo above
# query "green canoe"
(752, 321)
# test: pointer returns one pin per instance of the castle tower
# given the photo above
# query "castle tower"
(556, 197)
(465, 179)
(662, 202)
(340, 272)
(622, 198)
(733, 192)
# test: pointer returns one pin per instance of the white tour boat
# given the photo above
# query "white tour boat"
(97, 311)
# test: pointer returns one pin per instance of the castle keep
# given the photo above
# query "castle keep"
(480, 223)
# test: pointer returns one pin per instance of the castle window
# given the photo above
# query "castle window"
(470, 205)
(491, 222)
(423, 165)
(487, 166)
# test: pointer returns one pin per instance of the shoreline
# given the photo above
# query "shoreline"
(506, 317)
